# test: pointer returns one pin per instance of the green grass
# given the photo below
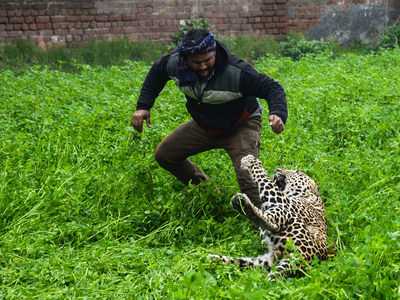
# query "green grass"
(23, 54)
(86, 212)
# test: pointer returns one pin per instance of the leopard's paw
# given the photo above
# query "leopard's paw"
(223, 258)
(239, 202)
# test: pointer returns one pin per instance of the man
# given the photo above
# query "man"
(221, 92)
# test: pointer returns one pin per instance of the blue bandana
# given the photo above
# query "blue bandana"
(185, 75)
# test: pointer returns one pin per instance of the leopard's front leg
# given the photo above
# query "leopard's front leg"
(267, 221)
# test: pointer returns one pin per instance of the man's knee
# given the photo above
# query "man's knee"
(160, 155)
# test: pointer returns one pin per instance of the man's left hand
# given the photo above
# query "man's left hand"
(276, 124)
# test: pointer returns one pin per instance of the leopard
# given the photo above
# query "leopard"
(292, 209)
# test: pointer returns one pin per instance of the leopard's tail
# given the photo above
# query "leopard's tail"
(264, 261)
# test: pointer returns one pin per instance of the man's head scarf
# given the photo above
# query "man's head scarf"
(185, 75)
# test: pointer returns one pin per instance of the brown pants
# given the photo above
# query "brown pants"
(189, 139)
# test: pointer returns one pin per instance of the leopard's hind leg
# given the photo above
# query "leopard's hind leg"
(266, 260)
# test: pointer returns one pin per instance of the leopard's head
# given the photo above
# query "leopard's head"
(295, 184)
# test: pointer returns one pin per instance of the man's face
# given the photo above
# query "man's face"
(202, 64)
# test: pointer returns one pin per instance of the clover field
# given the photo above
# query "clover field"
(87, 213)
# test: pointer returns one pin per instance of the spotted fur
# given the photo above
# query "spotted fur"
(291, 208)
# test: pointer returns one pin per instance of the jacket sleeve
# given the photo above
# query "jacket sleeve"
(154, 83)
(259, 85)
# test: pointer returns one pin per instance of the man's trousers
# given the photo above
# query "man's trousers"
(189, 139)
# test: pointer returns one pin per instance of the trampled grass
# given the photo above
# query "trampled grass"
(86, 212)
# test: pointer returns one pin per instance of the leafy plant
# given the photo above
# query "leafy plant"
(391, 36)
(251, 48)
(189, 24)
(296, 47)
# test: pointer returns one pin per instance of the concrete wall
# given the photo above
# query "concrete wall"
(53, 22)
(343, 21)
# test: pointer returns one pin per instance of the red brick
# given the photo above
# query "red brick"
(15, 33)
(29, 20)
(10, 6)
(144, 17)
(39, 6)
(3, 20)
(273, 31)
(115, 18)
(57, 19)
(87, 18)
(42, 19)
(69, 38)
(71, 5)
(89, 32)
(45, 33)
(30, 33)
(245, 26)
(72, 19)
(61, 32)
(313, 22)
(17, 20)
(87, 5)
(102, 31)
(281, 13)
(74, 31)
(101, 18)
(128, 17)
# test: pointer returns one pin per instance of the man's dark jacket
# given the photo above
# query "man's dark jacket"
(233, 89)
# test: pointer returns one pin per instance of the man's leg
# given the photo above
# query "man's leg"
(243, 141)
(173, 152)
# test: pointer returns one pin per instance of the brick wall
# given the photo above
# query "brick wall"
(64, 22)
(49, 22)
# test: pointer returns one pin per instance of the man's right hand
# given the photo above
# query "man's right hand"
(138, 117)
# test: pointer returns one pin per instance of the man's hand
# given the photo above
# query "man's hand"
(276, 124)
(138, 117)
